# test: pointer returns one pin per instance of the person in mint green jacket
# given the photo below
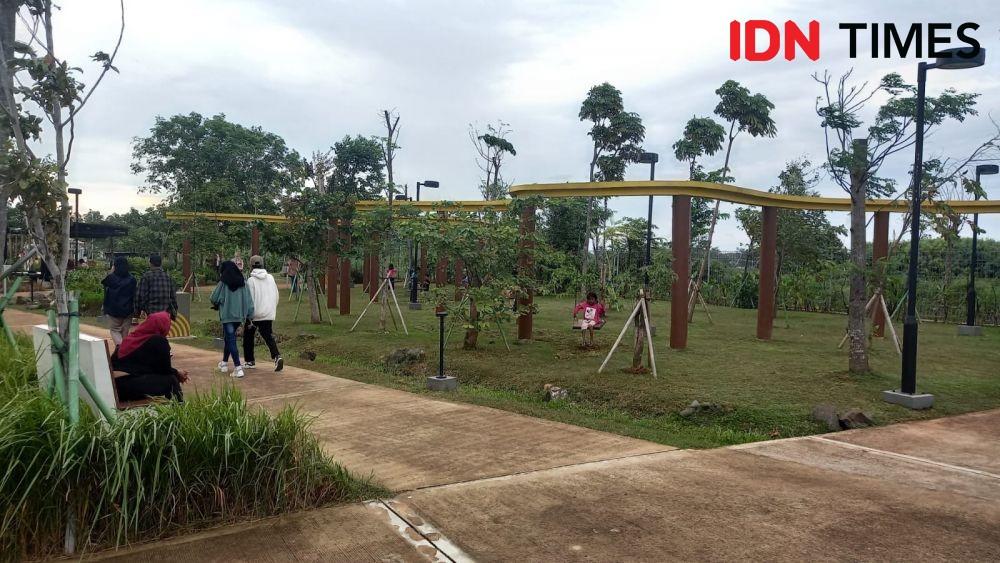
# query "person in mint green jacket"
(235, 305)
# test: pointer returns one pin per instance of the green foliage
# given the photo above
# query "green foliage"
(154, 471)
(617, 134)
(214, 165)
(359, 165)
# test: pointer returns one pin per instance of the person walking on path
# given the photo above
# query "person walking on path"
(264, 292)
(157, 291)
(145, 356)
(119, 299)
(235, 305)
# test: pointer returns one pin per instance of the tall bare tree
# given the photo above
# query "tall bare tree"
(47, 84)
(854, 162)
(492, 147)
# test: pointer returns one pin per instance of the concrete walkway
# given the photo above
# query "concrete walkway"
(482, 484)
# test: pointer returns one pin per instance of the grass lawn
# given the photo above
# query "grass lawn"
(768, 388)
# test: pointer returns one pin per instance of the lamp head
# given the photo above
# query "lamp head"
(960, 58)
(75, 191)
(430, 183)
(649, 158)
(987, 169)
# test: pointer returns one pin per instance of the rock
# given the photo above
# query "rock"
(405, 357)
(827, 414)
(21, 300)
(854, 418)
(697, 406)
(553, 393)
(308, 355)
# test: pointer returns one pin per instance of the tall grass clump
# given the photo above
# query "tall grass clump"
(154, 472)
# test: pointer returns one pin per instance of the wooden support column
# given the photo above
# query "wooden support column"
(345, 271)
(768, 255)
(186, 259)
(255, 241)
(332, 261)
(526, 267)
(680, 244)
(880, 250)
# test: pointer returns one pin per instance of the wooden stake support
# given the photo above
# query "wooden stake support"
(399, 311)
(639, 309)
(874, 305)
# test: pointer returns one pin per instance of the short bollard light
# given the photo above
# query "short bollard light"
(441, 382)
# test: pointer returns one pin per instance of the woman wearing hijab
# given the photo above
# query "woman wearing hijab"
(235, 305)
(119, 299)
(145, 356)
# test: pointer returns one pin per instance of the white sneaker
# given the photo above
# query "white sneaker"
(238, 372)
(249, 365)
(278, 364)
(223, 367)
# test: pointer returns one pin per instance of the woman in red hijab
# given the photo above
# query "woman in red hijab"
(145, 356)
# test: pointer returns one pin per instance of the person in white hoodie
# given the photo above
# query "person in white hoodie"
(265, 305)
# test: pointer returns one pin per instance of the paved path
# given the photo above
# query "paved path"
(478, 483)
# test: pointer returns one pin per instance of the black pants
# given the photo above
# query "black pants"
(136, 387)
(250, 330)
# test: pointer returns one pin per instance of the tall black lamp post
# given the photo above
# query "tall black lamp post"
(950, 59)
(650, 158)
(970, 328)
(76, 210)
(414, 278)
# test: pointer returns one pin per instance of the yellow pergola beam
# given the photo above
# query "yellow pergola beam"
(467, 205)
(733, 194)
(228, 217)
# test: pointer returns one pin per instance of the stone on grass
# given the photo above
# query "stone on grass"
(854, 418)
(308, 355)
(405, 357)
(553, 393)
(827, 414)
(697, 406)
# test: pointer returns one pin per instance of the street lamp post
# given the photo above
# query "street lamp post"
(414, 278)
(970, 328)
(950, 59)
(76, 210)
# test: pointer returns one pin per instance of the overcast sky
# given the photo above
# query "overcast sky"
(313, 71)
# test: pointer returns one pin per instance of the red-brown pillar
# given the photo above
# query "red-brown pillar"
(345, 271)
(255, 241)
(526, 265)
(768, 255)
(680, 244)
(880, 250)
(186, 260)
(332, 262)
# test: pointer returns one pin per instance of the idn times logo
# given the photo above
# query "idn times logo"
(763, 40)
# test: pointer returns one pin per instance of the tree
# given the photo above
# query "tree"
(389, 148)
(805, 237)
(358, 168)
(215, 165)
(617, 136)
(702, 137)
(492, 146)
(34, 78)
(853, 163)
(744, 112)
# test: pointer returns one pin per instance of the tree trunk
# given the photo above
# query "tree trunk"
(311, 284)
(696, 285)
(858, 358)
(472, 334)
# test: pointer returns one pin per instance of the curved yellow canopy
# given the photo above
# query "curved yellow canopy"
(732, 194)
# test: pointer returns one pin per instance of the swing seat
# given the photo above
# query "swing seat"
(578, 326)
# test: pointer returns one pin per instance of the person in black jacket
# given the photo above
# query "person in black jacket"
(145, 356)
(119, 299)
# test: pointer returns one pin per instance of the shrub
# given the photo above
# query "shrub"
(154, 471)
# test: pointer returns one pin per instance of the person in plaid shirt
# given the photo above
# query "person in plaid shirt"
(157, 291)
